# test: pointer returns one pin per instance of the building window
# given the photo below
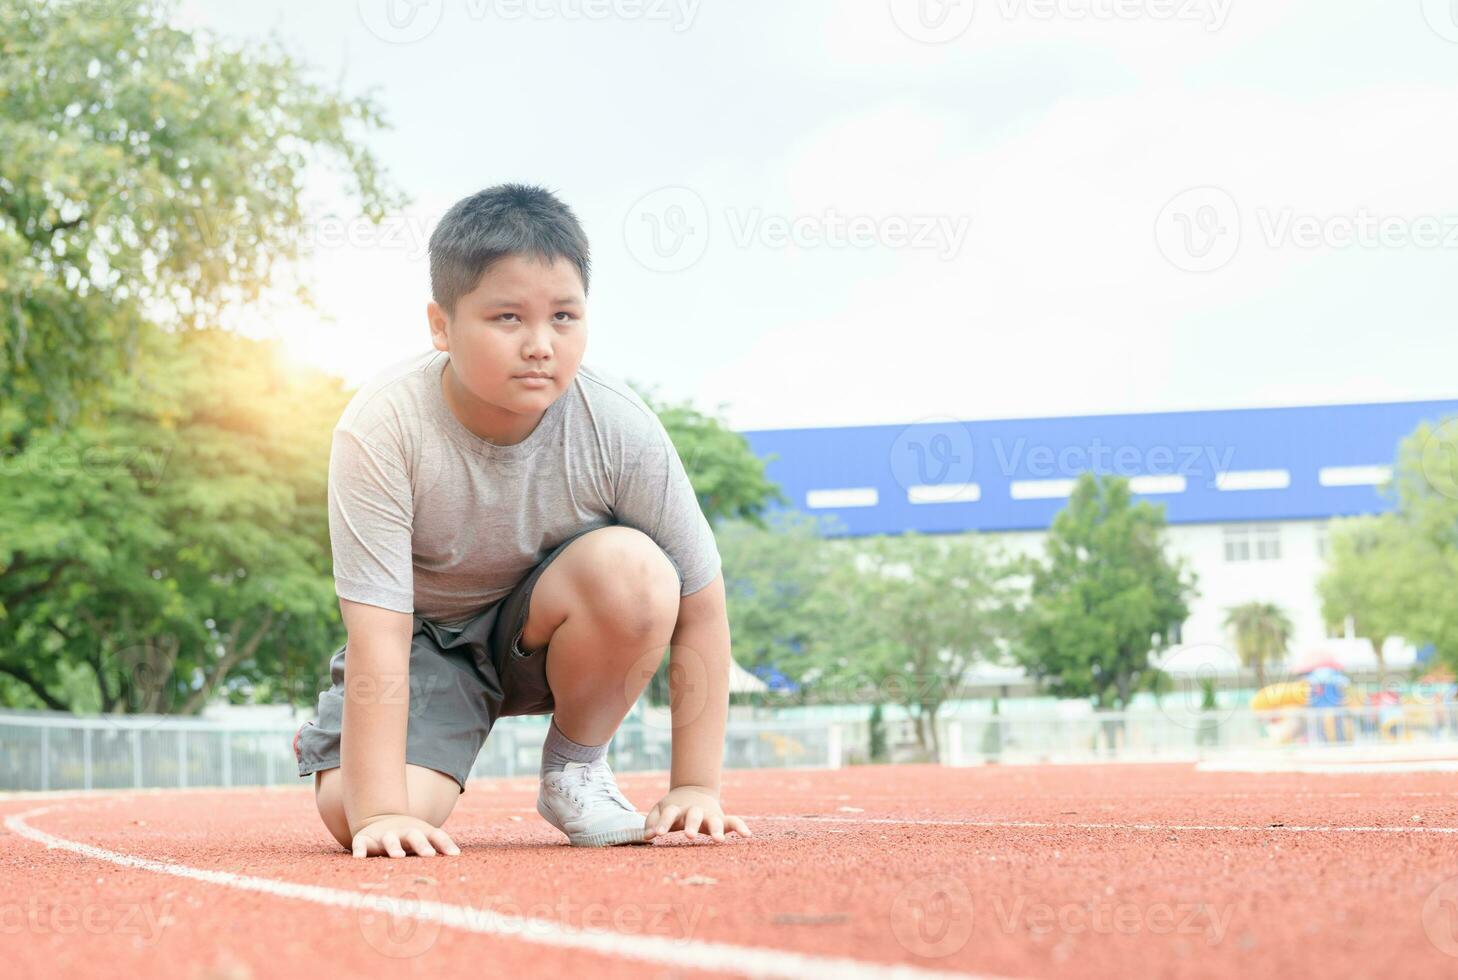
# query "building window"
(1245, 542)
(1268, 542)
(1237, 543)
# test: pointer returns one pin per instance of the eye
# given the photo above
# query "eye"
(564, 313)
(502, 316)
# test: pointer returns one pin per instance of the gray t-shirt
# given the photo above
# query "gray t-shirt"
(426, 517)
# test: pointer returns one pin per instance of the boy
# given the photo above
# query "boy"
(513, 533)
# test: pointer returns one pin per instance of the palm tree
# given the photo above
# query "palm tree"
(1262, 631)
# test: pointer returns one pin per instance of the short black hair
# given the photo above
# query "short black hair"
(508, 219)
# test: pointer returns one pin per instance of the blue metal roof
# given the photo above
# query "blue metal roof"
(1001, 475)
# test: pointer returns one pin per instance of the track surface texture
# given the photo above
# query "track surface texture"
(921, 871)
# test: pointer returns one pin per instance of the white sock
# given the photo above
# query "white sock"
(559, 750)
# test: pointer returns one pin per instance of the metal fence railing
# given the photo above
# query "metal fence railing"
(44, 751)
(1176, 736)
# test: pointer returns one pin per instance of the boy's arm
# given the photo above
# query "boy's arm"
(372, 735)
(698, 680)
(376, 707)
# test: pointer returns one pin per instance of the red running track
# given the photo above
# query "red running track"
(1112, 871)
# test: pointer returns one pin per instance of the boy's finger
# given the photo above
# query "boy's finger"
(421, 846)
(443, 842)
(716, 827)
(667, 817)
(738, 826)
(692, 820)
(391, 840)
(361, 846)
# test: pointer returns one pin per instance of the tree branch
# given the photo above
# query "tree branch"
(29, 680)
(233, 656)
(36, 588)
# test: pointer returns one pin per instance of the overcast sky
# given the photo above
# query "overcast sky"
(833, 213)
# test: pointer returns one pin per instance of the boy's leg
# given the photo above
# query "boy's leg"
(581, 638)
(607, 602)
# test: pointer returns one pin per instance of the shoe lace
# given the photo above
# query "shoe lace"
(591, 784)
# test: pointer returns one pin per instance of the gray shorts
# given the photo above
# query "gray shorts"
(461, 680)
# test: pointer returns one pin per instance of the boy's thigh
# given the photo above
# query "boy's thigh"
(451, 706)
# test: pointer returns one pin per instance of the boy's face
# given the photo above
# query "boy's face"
(524, 316)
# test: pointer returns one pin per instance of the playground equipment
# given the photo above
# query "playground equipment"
(1425, 710)
(1324, 686)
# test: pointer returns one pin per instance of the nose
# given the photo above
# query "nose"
(538, 341)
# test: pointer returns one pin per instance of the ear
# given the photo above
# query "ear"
(439, 326)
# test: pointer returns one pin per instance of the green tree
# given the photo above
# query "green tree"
(877, 734)
(770, 574)
(1261, 631)
(179, 544)
(1104, 596)
(148, 174)
(903, 618)
(1392, 574)
(1368, 579)
(1426, 481)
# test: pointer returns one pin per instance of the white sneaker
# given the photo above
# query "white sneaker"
(584, 803)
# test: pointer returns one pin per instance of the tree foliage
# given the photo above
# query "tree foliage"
(904, 618)
(1393, 574)
(180, 543)
(1261, 632)
(770, 573)
(148, 174)
(1104, 597)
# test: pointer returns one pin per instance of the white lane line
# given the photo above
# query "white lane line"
(753, 961)
(1331, 768)
(1037, 825)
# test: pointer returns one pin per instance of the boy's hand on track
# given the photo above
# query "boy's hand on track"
(690, 808)
(396, 835)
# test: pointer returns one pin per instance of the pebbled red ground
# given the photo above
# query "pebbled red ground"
(1132, 871)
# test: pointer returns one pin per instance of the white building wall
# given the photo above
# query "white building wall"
(1289, 580)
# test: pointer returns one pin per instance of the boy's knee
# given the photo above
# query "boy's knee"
(635, 584)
